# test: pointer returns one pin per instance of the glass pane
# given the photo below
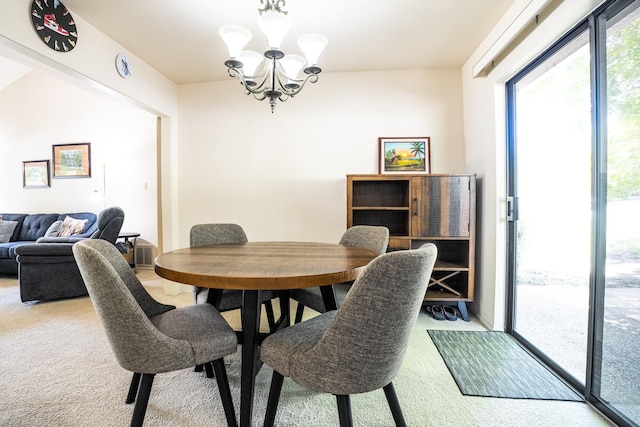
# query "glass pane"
(620, 375)
(553, 144)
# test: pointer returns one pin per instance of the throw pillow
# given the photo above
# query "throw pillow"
(54, 229)
(6, 230)
(72, 227)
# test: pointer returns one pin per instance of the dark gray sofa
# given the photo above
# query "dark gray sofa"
(30, 228)
(46, 267)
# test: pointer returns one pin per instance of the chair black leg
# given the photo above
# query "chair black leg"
(299, 313)
(225, 393)
(344, 410)
(285, 309)
(271, 318)
(198, 368)
(394, 405)
(133, 388)
(274, 396)
(142, 400)
(209, 369)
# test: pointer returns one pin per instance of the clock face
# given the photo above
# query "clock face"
(54, 24)
(124, 66)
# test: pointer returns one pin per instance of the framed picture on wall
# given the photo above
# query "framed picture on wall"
(404, 155)
(72, 160)
(35, 174)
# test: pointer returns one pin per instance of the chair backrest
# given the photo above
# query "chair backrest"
(373, 238)
(124, 308)
(216, 234)
(368, 338)
(109, 224)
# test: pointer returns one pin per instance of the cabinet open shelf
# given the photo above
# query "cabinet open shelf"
(419, 209)
(443, 296)
(383, 194)
(446, 266)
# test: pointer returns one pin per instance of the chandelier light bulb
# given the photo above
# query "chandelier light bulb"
(312, 46)
(236, 38)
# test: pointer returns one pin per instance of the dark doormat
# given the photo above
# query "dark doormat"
(493, 364)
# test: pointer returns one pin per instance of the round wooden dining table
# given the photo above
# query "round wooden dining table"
(254, 267)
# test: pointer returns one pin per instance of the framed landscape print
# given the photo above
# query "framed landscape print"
(404, 155)
(72, 160)
(35, 174)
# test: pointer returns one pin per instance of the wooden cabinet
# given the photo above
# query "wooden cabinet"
(417, 209)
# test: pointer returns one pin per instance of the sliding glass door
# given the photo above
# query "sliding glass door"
(574, 208)
(553, 163)
(618, 342)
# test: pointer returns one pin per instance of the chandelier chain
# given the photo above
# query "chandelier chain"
(273, 5)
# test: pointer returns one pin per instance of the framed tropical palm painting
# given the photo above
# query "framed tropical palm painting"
(404, 155)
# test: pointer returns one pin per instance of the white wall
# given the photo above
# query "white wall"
(38, 111)
(282, 176)
(485, 148)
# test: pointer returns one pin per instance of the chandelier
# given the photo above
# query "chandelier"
(278, 78)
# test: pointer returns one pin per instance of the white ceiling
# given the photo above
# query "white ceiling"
(180, 38)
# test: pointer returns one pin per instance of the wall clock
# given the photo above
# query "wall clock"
(54, 24)
(123, 65)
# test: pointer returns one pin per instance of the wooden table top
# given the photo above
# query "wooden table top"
(264, 265)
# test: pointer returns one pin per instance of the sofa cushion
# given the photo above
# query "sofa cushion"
(6, 230)
(14, 217)
(72, 227)
(35, 225)
(54, 229)
(92, 223)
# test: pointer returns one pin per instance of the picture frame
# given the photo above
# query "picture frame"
(406, 155)
(72, 160)
(36, 174)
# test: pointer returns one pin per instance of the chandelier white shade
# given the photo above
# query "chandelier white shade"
(275, 26)
(274, 75)
(235, 37)
(312, 45)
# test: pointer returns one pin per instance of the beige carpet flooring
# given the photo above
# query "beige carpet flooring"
(57, 370)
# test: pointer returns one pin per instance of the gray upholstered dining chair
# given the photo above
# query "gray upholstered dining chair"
(225, 299)
(148, 337)
(359, 347)
(373, 238)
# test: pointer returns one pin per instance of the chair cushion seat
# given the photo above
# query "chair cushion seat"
(295, 352)
(210, 335)
(286, 352)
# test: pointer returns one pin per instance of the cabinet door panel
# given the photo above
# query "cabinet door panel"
(440, 206)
